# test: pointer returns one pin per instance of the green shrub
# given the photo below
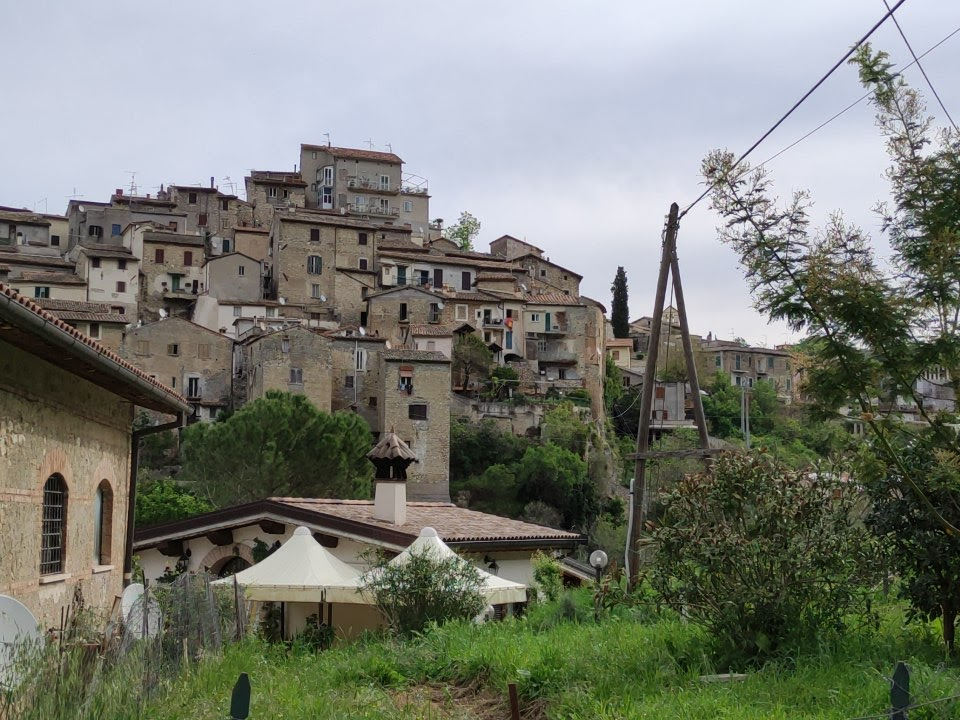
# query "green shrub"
(764, 558)
(547, 576)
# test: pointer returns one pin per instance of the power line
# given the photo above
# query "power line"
(799, 102)
(920, 67)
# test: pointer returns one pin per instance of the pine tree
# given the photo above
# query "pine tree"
(620, 311)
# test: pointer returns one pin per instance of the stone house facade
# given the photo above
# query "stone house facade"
(66, 412)
(292, 360)
(95, 320)
(234, 276)
(357, 383)
(45, 284)
(172, 269)
(112, 275)
(194, 361)
(416, 405)
(748, 365)
(269, 190)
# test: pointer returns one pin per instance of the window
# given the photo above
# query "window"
(315, 291)
(384, 182)
(102, 523)
(241, 270)
(225, 225)
(431, 345)
(271, 312)
(55, 240)
(348, 381)
(95, 231)
(424, 277)
(535, 317)
(95, 262)
(41, 292)
(158, 255)
(363, 238)
(464, 280)
(54, 526)
(461, 312)
(434, 312)
(417, 412)
(121, 264)
(226, 244)
(93, 330)
(565, 277)
(406, 384)
(187, 257)
(660, 393)
(737, 380)
(225, 205)
(237, 310)
(193, 387)
(296, 376)
(314, 264)
(718, 360)
(770, 363)
(363, 263)
(173, 349)
(118, 310)
(403, 311)
(359, 201)
(363, 318)
(286, 194)
(408, 206)
(736, 362)
(372, 401)
(326, 175)
(115, 229)
(314, 234)
(508, 340)
(542, 345)
(363, 293)
(561, 373)
(543, 273)
(285, 345)
(203, 351)
(360, 362)
(192, 198)
(202, 220)
(616, 354)
(173, 382)
(143, 347)
(271, 192)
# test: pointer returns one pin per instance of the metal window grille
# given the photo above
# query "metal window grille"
(54, 525)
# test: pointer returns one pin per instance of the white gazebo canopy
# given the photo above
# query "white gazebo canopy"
(496, 590)
(301, 570)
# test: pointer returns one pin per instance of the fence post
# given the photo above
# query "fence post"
(240, 699)
(514, 701)
(900, 692)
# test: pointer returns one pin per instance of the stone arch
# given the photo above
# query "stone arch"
(214, 560)
(55, 462)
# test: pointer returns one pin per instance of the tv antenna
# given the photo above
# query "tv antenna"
(133, 181)
(369, 142)
(75, 195)
(228, 183)
(36, 205)
(327, 136)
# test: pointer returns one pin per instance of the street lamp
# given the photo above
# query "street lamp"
(598, 560)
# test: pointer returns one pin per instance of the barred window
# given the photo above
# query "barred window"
(54, 526)
(102, 524)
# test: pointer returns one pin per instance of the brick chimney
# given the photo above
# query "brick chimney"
(391, 457)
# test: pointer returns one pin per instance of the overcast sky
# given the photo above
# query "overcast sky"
(571, 124)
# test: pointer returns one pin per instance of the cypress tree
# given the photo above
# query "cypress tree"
(620, 310)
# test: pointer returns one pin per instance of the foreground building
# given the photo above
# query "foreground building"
(66, 413)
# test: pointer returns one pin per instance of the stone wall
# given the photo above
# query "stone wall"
(53, 422)
(269, 363)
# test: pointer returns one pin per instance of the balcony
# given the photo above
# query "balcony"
(362, 183)
(555, 329)
(492, 322)
(556, 355)
(377, 210)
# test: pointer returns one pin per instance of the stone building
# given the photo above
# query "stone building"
(323, 262)
(234, 276)
(748, 365)
(189, 358)
(47, 284)
(172, 269)
(357, 384)
(269, 190)
(104, 222)
(253, 242)
(416, 405)
(97, 321)
(112, 275)
(66, 413)
(292, 360)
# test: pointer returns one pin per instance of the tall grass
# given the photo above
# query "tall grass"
(627, 666)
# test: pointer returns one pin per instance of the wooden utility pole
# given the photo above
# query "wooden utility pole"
(638, 509)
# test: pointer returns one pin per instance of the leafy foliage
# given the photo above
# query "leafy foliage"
(763, 557)
(471, 358)
(563, 426)
(464, 231)
(620, 307)
(282, 445)
(612, 384)
(161, 499)
(474, 447)
(558, 477)
(503, 379)
(426, 589)
(547, 576)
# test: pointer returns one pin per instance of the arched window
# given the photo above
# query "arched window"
(102, 523)
(54, 528)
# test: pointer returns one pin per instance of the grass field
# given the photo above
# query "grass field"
(631, 665)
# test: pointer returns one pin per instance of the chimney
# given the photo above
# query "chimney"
(118, 192)
(211, 183)
(391, 457)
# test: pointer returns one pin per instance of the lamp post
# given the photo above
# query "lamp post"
(598, 561)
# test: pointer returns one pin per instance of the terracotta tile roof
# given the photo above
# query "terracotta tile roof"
(173, 398)
(354, 154)
(619, 342)
(105, 318)
(556, 298)
(303, 215)
(57, 278)
(108, 251)
(391, 447)
(538, 259)
(171, 238)
(244, 228)
(194, 188)
(277, 177)
(24, 218)
(442, 259)
(452, 523)
(12, 257)
(432, 330)
(55, 304)
(401, 244)
(402, 354)
(505, 277)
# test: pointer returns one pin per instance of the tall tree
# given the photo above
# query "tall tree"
(464, 231)
(620, 308)
(471, 358)
(874, 332)
(278, 445)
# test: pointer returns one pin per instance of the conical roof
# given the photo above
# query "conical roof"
(391, 447)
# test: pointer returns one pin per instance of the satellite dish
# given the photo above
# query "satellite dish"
(282, 300)
(323, 298)
(440, 305)
(163, 313)
(140, 623)
(18, 629)
(362, 331)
